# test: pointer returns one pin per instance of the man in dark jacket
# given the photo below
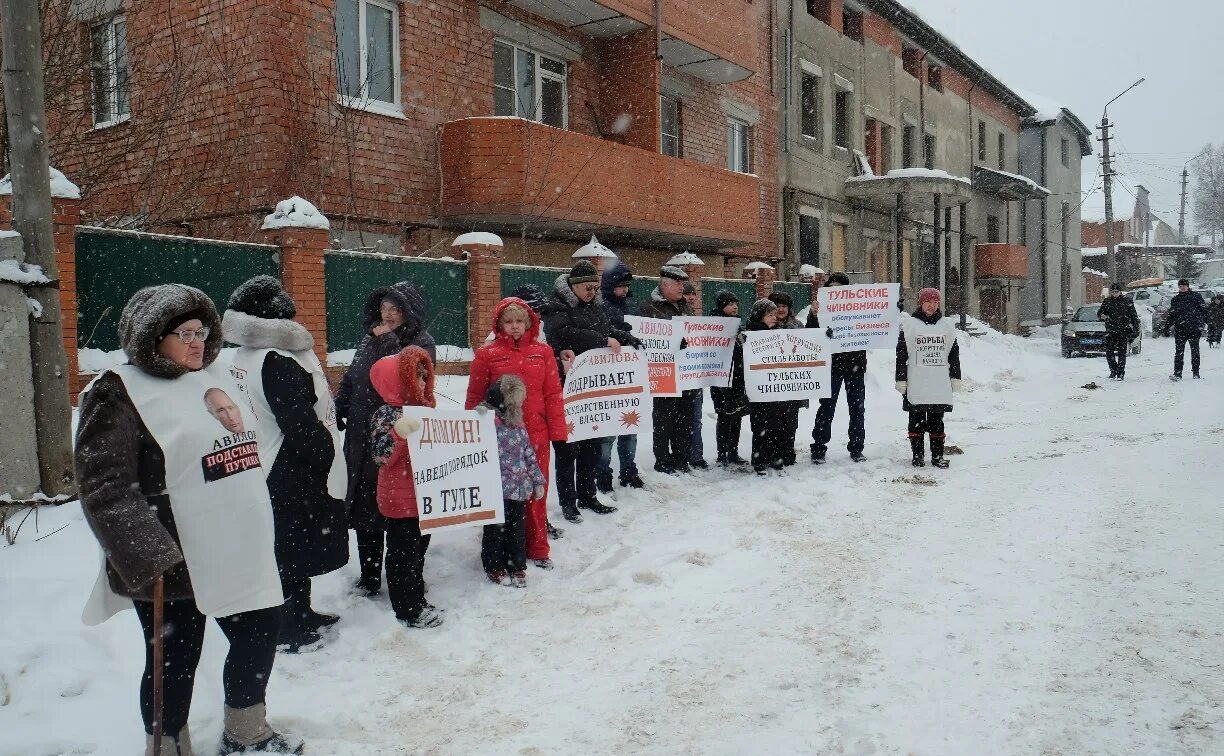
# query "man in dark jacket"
(731, 402)
(673, 416)
(1121, 327)
(849, 370)
(616, 293)
(574, 319)
(1187, 314)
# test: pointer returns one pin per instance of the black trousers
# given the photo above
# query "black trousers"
(768, 433)
(921, 421)
(504, 547)
(789, 419)
(673, 430)
(1179, 352)
(370, 555)
(575, 465)
(297, 601)
(1116, 347)
(727, 435)
(406, 548)
(248, 664)
(856, 401)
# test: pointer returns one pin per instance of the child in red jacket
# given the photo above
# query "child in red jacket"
(516, 350)
(405, 379)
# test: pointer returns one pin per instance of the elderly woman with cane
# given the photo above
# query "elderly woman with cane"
(167, 460)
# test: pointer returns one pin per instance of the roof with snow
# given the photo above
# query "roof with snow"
(593, 249)
(1009, 186)
(685, 258)
(1049, 112)
(1093, 251)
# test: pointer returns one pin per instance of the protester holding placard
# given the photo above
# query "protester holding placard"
(790, 410)
(405, 379)
(516, 350)
(616, 292)
(696, 396)
(673, 415)
(575, 320)
(928, 371)
(849, 370)
(767, 419)
(730, 403)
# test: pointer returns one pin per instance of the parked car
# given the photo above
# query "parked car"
(1085, 333)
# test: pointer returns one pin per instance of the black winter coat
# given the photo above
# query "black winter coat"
(846, 363)
(660, 308)
(732, 400)
(1119, 316)
(570, 323)
(1215, 315)
(357, 400)
(954, 366)
(1187, 314)
(617, 307)
(771, 412)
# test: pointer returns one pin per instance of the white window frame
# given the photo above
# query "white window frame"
(739, 134)
(112, 74)
(363, 101)
(812, 140)
(540, 77)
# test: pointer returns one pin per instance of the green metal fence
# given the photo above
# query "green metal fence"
(742, 288)
(113, 265)
(800, 292)
(514, 276)
(351, 276)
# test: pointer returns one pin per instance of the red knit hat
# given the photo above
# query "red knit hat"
(929, 295)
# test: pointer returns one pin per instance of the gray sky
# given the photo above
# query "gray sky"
(1083, 52)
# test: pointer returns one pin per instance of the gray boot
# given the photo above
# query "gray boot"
(170, 746)
(247, 731)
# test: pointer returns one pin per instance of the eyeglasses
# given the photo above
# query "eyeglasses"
(187, 335)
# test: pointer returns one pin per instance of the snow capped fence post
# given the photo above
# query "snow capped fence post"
(302, 233)
(692, 265)
(765, 278)
(19, 476)
(484, 259)
(65, 217)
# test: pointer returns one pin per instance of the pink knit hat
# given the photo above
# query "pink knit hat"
(929, 295)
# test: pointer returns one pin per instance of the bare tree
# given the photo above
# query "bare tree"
(1209, 190)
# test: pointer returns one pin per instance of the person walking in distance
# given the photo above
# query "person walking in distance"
(928, 372)
(1187, 315)
(849, 370)
(1121, 327)
(1215, 321)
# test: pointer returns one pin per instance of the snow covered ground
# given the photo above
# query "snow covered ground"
(1055, 592)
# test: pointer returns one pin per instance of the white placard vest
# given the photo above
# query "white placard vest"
(216, 486)
(248, 368)
(929, 347)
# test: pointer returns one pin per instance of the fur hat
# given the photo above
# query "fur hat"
(837, 279)
(584, 271)
(1117, 286)
(146, 321)
(929, 295)
(724, 298)
(760, 309)
(782, 299)
(506, 396)
(263, 297)
(672, 272)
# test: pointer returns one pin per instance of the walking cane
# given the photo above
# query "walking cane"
(159, 653)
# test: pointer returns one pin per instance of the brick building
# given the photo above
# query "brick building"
(408, 122)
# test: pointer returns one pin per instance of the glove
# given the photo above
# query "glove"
(633, 342)
(340, 424)
(901, 386)
(956, 383)
(406, 426)
(482, 409)
(538, 493)
(829, 332)
(684, 343)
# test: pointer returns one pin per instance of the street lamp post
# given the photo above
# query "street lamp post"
(1110, 248)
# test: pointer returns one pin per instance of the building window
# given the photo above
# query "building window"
(928, 151)
(809, 239)
(935, 78)
(852, 24)
(669, 126)
(981, 141)
(886, 148)
(109, 69)
(809, 106)
(992, 229)
(739, 151)
(1002, 151)
(841, 119)
(529, 85)
(911, 61)
(908, 134)
(820, 9)
(1064, 153)
(367, 56)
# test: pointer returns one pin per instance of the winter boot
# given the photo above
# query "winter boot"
(296, 635)
(735, 459)
(498, 576)
(570, 511)
(554, 532)
(428, 616)
(919, 452)
(603, 482)
(595, 506)
(247, 731)
(700, 464)
(518, 579)
(367, 587)
(818, 455)
(632, 480)
(320, 620)
(937, 448)
(544, 564)
(721, 461)
(857, 457)
(176, 746)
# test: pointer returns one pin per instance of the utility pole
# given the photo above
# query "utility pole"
(21, 29)
(1111, 262)
(1181, 215)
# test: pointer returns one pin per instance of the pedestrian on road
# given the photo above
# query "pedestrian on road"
(696, 396)
(673, 416)
(1215, 321)
(393, 318)
(1121, 328)
(301, 449)
(617, 299)
(179, 504)
(928, 372)
(849, 370)
(1187, 316)
(730, 403)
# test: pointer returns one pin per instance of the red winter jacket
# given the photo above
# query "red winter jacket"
(395, 380)
(543, 411)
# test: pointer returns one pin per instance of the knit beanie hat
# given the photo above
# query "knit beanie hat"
(760, 309)
(782, 299)
(929, 295)
(584, 271)
(1117, 287)
(173, 323)
(724, 298)
(837, 279)
(672, 272)
(262, 297)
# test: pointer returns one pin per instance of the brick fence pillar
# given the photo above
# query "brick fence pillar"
(302, 251)
(765, 278)
(693, 270)
(484, 261)
(65, 216)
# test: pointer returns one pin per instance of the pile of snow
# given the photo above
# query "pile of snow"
(927, 173)
(295, 212)
(477, 237)
(22, 274)
(34, 307)
(685, 258)
(61, 187)
(341, 357)
(96, 360)
(593, 249)
(1094, 251)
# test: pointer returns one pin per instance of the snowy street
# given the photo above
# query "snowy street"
(1055, 592)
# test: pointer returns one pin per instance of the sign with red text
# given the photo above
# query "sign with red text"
(455, 468)
(863, 316)
(709, 346)
(607, 394)
(786, 364)
(661, 344)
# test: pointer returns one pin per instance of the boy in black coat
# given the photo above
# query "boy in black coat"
(769, 420)
(849, 370)
(1121, 327)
